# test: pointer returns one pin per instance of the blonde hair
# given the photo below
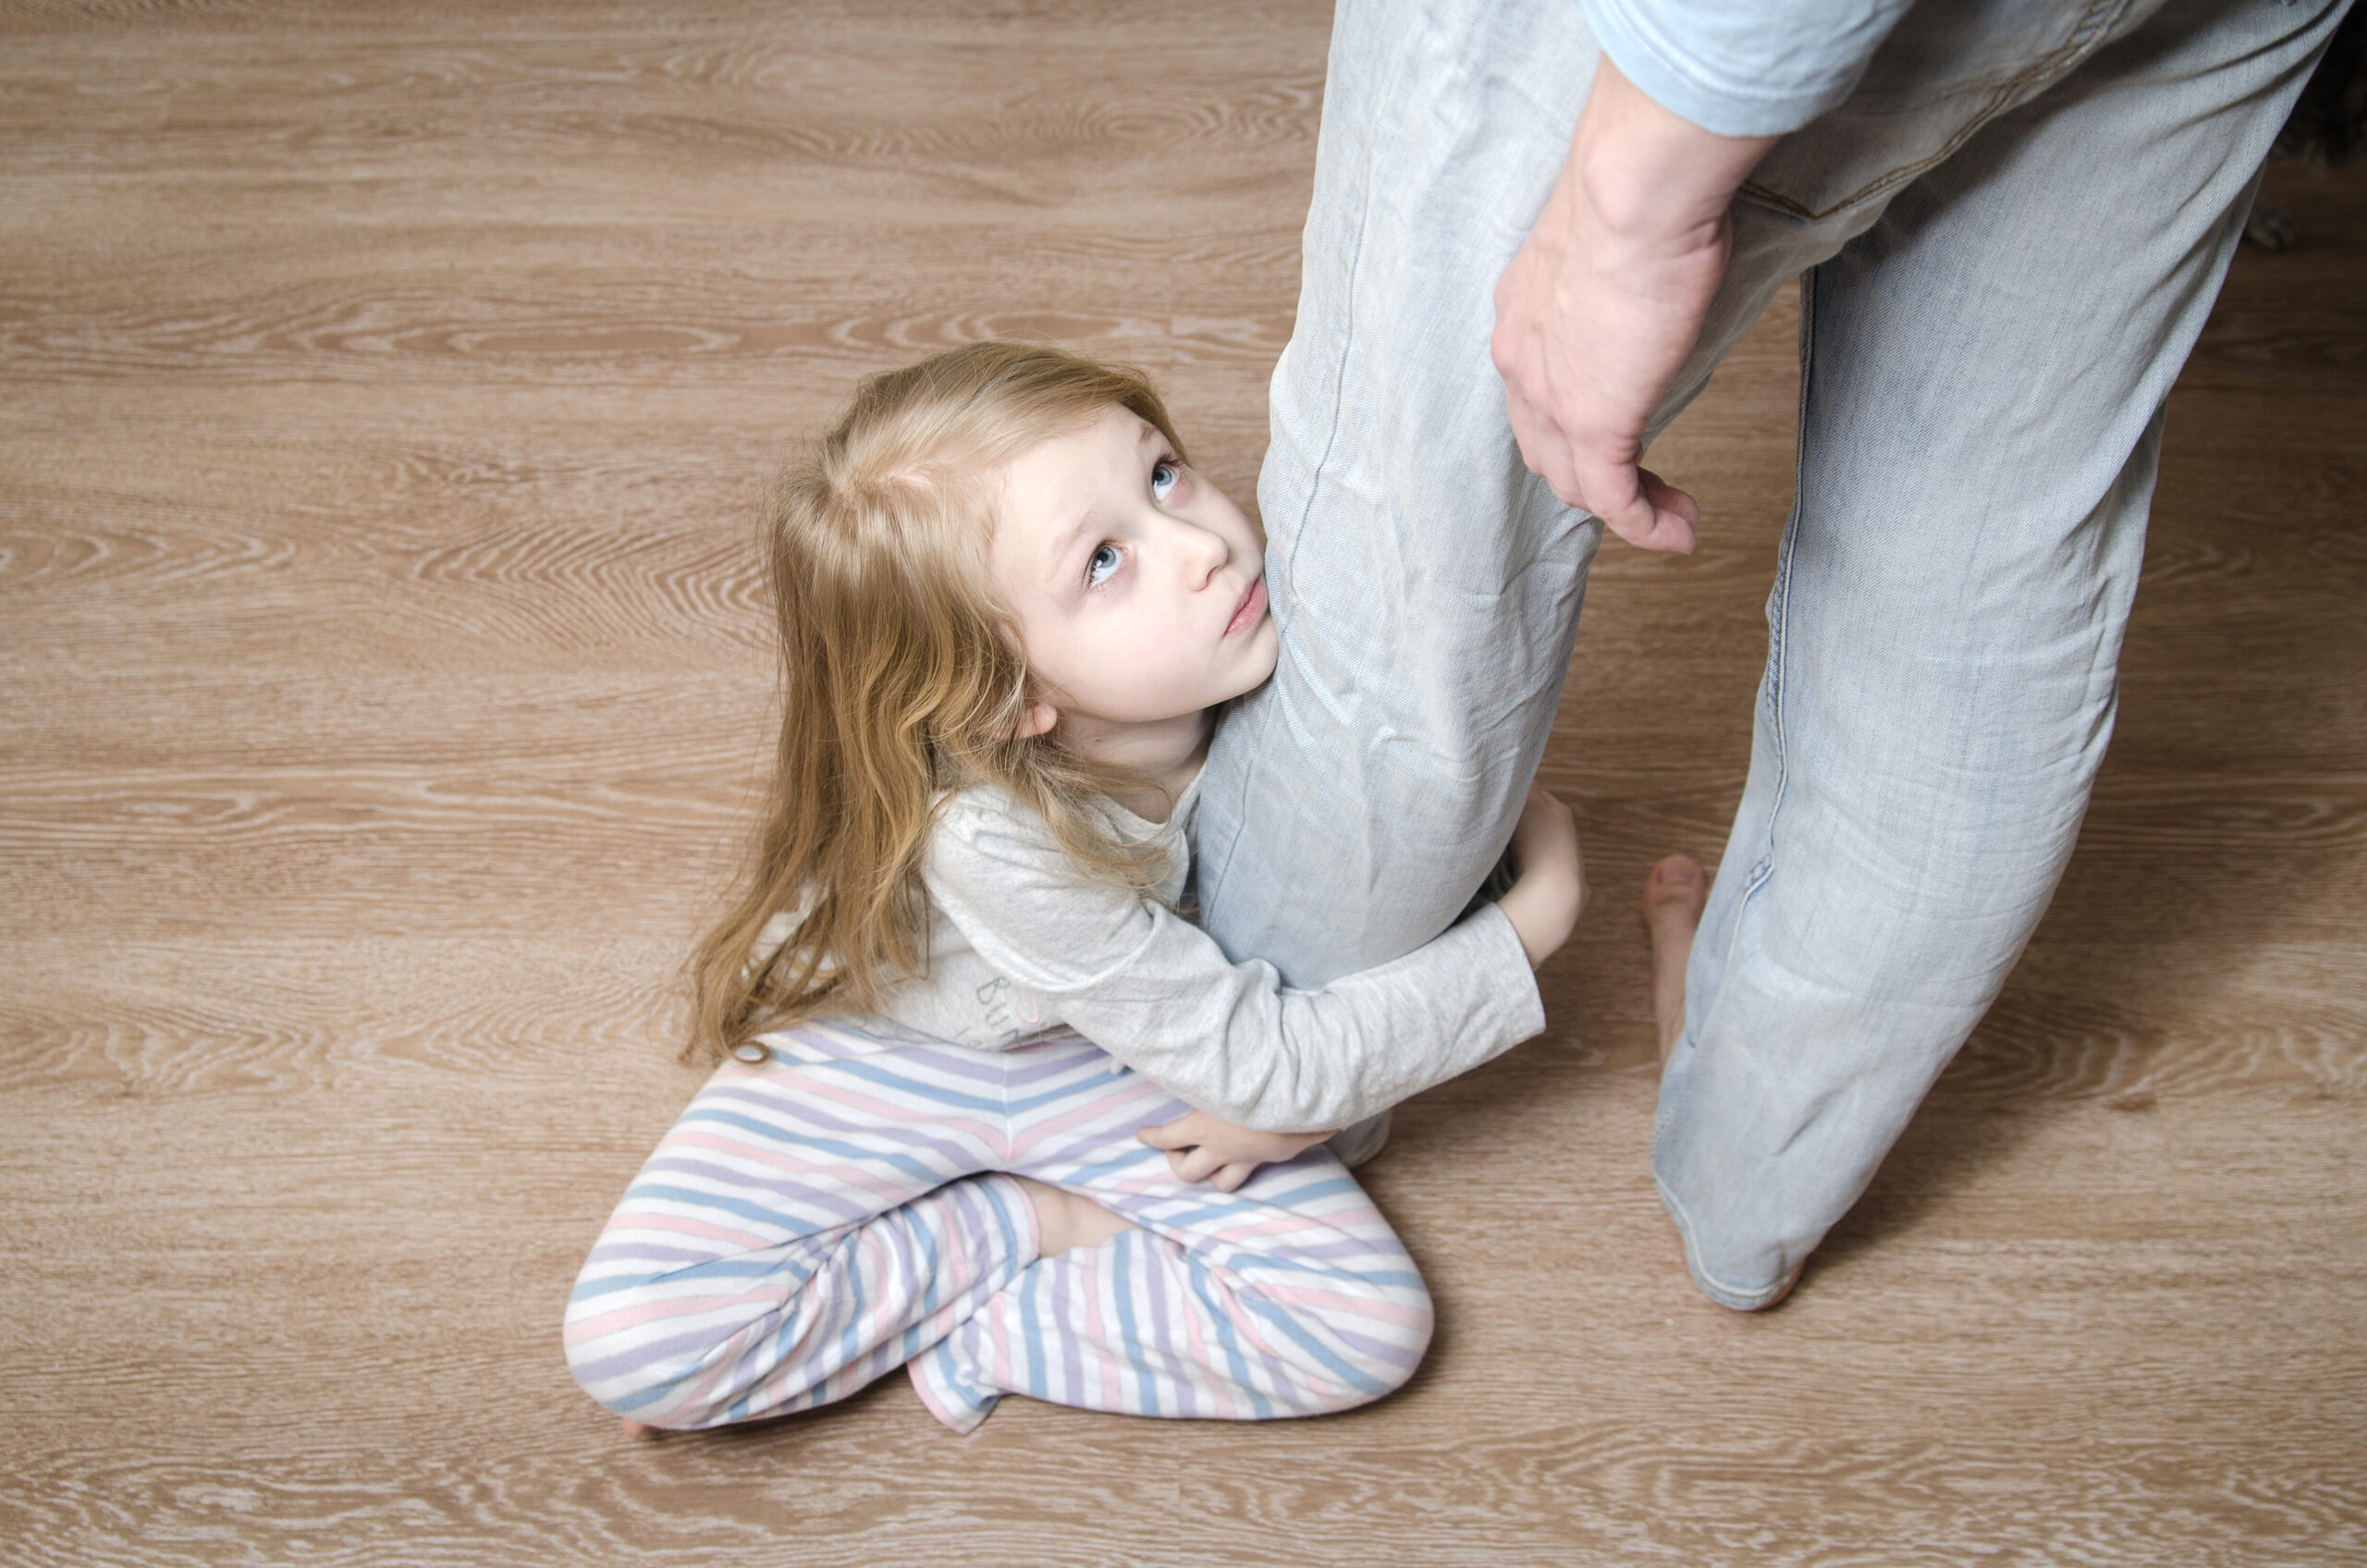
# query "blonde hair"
(901, 677)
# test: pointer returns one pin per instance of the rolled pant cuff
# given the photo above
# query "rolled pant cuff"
(1740, 1298)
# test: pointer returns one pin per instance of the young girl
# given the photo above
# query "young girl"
(953, 1127)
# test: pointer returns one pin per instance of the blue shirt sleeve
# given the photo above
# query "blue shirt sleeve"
(1743, 67)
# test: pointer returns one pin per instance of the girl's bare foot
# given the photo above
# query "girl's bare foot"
(1065, 1220)
(1675, 891)
(638, 1430)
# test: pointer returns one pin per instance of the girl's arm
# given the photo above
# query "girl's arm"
(1157, 993)
(1544, 902)
(1549, 888)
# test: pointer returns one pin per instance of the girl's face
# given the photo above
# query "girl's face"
(1138, 587)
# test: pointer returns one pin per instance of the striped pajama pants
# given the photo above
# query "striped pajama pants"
(819, 1219)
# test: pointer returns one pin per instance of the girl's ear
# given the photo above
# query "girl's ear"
(1037, 719)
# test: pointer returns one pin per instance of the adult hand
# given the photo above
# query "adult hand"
(1598, 312)
(1201, 1148)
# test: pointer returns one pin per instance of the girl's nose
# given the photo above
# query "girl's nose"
(1208, 552)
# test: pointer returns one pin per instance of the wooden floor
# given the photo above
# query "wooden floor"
(384, 392)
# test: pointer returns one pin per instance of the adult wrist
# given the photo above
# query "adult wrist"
(1648, 175)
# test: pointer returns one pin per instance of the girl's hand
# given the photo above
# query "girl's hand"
(1550, 886)
(1201, 1148)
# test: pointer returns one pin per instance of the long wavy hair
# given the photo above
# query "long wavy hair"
(901, 679)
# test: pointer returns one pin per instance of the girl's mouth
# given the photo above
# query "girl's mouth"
(1253, 604)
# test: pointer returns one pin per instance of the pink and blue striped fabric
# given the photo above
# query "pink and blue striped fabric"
(819, 1218)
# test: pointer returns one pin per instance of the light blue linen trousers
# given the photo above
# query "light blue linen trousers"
(2009, 236)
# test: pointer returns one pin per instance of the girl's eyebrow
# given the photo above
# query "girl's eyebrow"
(1066, 542)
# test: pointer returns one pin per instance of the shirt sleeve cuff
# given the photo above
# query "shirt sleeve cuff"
(1737, 75)
(1523, 1006)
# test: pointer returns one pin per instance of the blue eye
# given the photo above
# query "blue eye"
(1106, 562)
(1163, 475)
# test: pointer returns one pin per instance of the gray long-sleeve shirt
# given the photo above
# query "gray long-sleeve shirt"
(1024, 945)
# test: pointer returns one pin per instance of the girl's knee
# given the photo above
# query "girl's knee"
(1413, 1321)
(645, 1348)
(1368, 1340)
(622, 1357)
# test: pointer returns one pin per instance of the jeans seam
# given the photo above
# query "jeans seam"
(1779, 629)
(1778, 621)
(2043, 72)
(1779, 643)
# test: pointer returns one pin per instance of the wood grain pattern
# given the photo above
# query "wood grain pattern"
(385, 393)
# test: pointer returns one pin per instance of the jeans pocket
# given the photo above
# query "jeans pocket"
(1945, 71)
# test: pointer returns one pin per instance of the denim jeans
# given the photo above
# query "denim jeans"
(2009, 237)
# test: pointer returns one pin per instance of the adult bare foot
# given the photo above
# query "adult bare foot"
(1065, 1220)
(1675, 891)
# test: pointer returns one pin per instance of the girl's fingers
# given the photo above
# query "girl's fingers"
(1194, 1164)
(1182, 1133)
(1198, 1164)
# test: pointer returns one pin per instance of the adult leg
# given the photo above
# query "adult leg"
(1426, 585)
(1984, 372)
(1289, 1296)
(809, 1224)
